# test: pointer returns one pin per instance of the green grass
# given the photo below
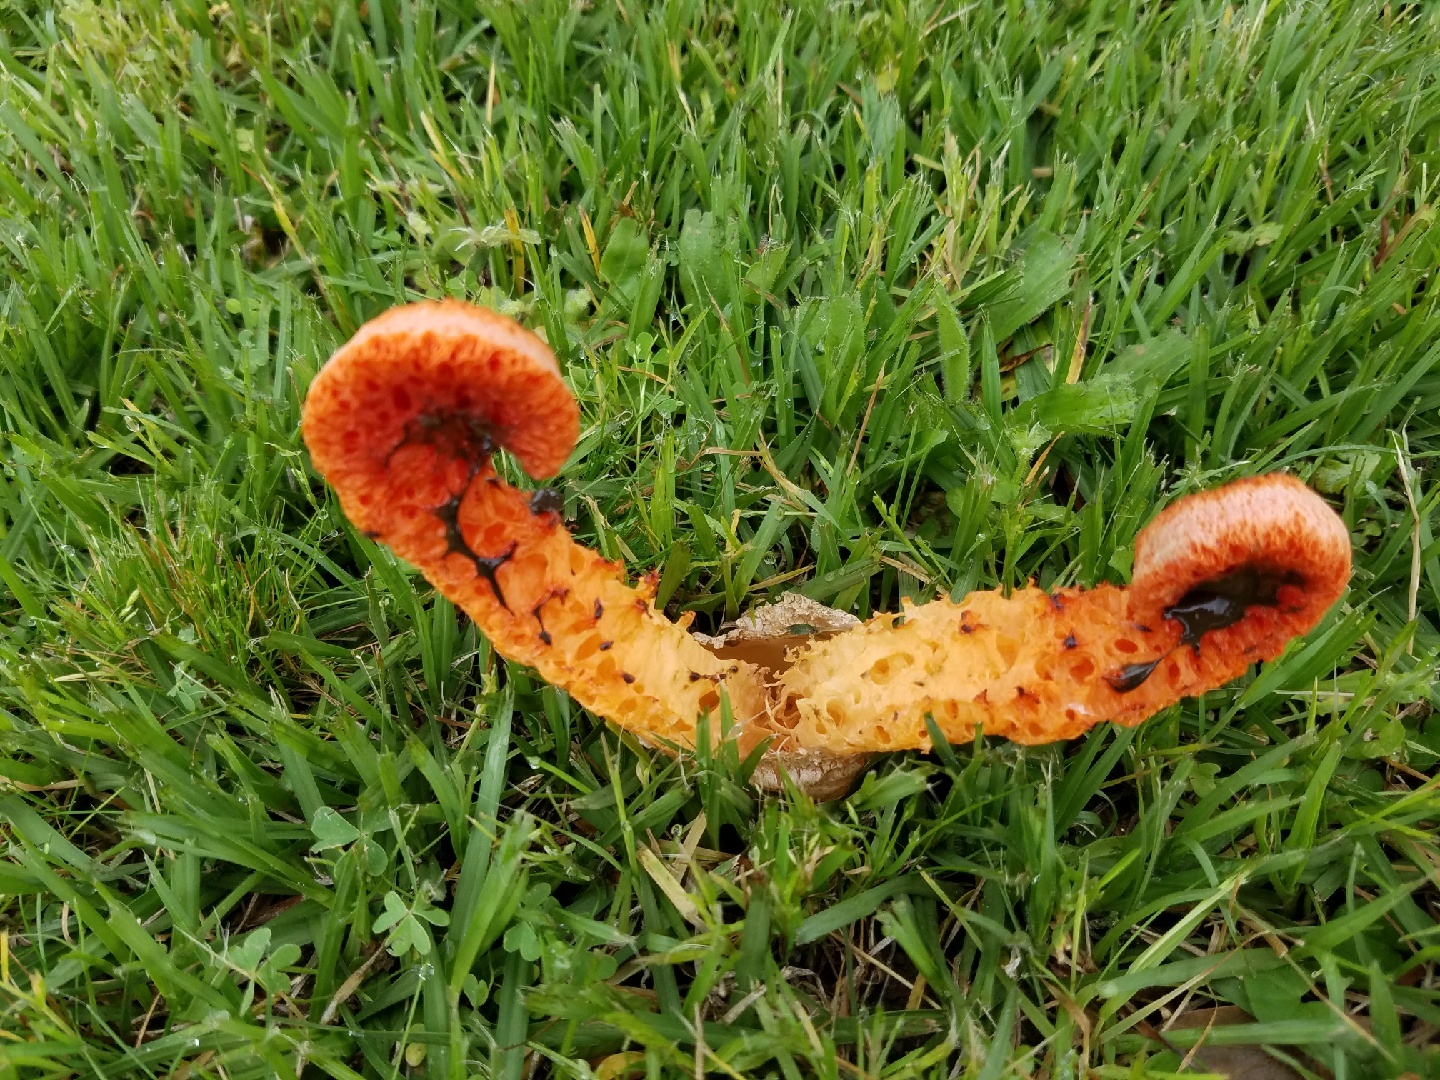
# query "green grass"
(876, 302)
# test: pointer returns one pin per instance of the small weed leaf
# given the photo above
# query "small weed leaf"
(331, 830)
(406, 924)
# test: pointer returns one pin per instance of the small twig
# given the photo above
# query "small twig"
(1190, 1054)
(1401, 767)
(63, 785)
(351, 984)
(1414, 596)
(907, 568)
(795, 493)
(889, 971)
(1077, 355)
(145, 1021)
(865, 420)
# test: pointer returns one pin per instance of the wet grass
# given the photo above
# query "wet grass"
(873, 302)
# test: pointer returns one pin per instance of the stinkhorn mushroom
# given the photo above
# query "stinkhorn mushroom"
(403, 421)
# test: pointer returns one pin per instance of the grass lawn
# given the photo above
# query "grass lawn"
(875, 301)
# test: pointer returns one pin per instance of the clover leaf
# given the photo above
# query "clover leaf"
(407, 931)
(331, 830)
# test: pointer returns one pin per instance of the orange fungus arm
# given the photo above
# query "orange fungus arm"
(1222, 579)
(402, 422)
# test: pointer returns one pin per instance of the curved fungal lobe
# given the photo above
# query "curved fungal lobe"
(1222, 579)
(403, 420)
